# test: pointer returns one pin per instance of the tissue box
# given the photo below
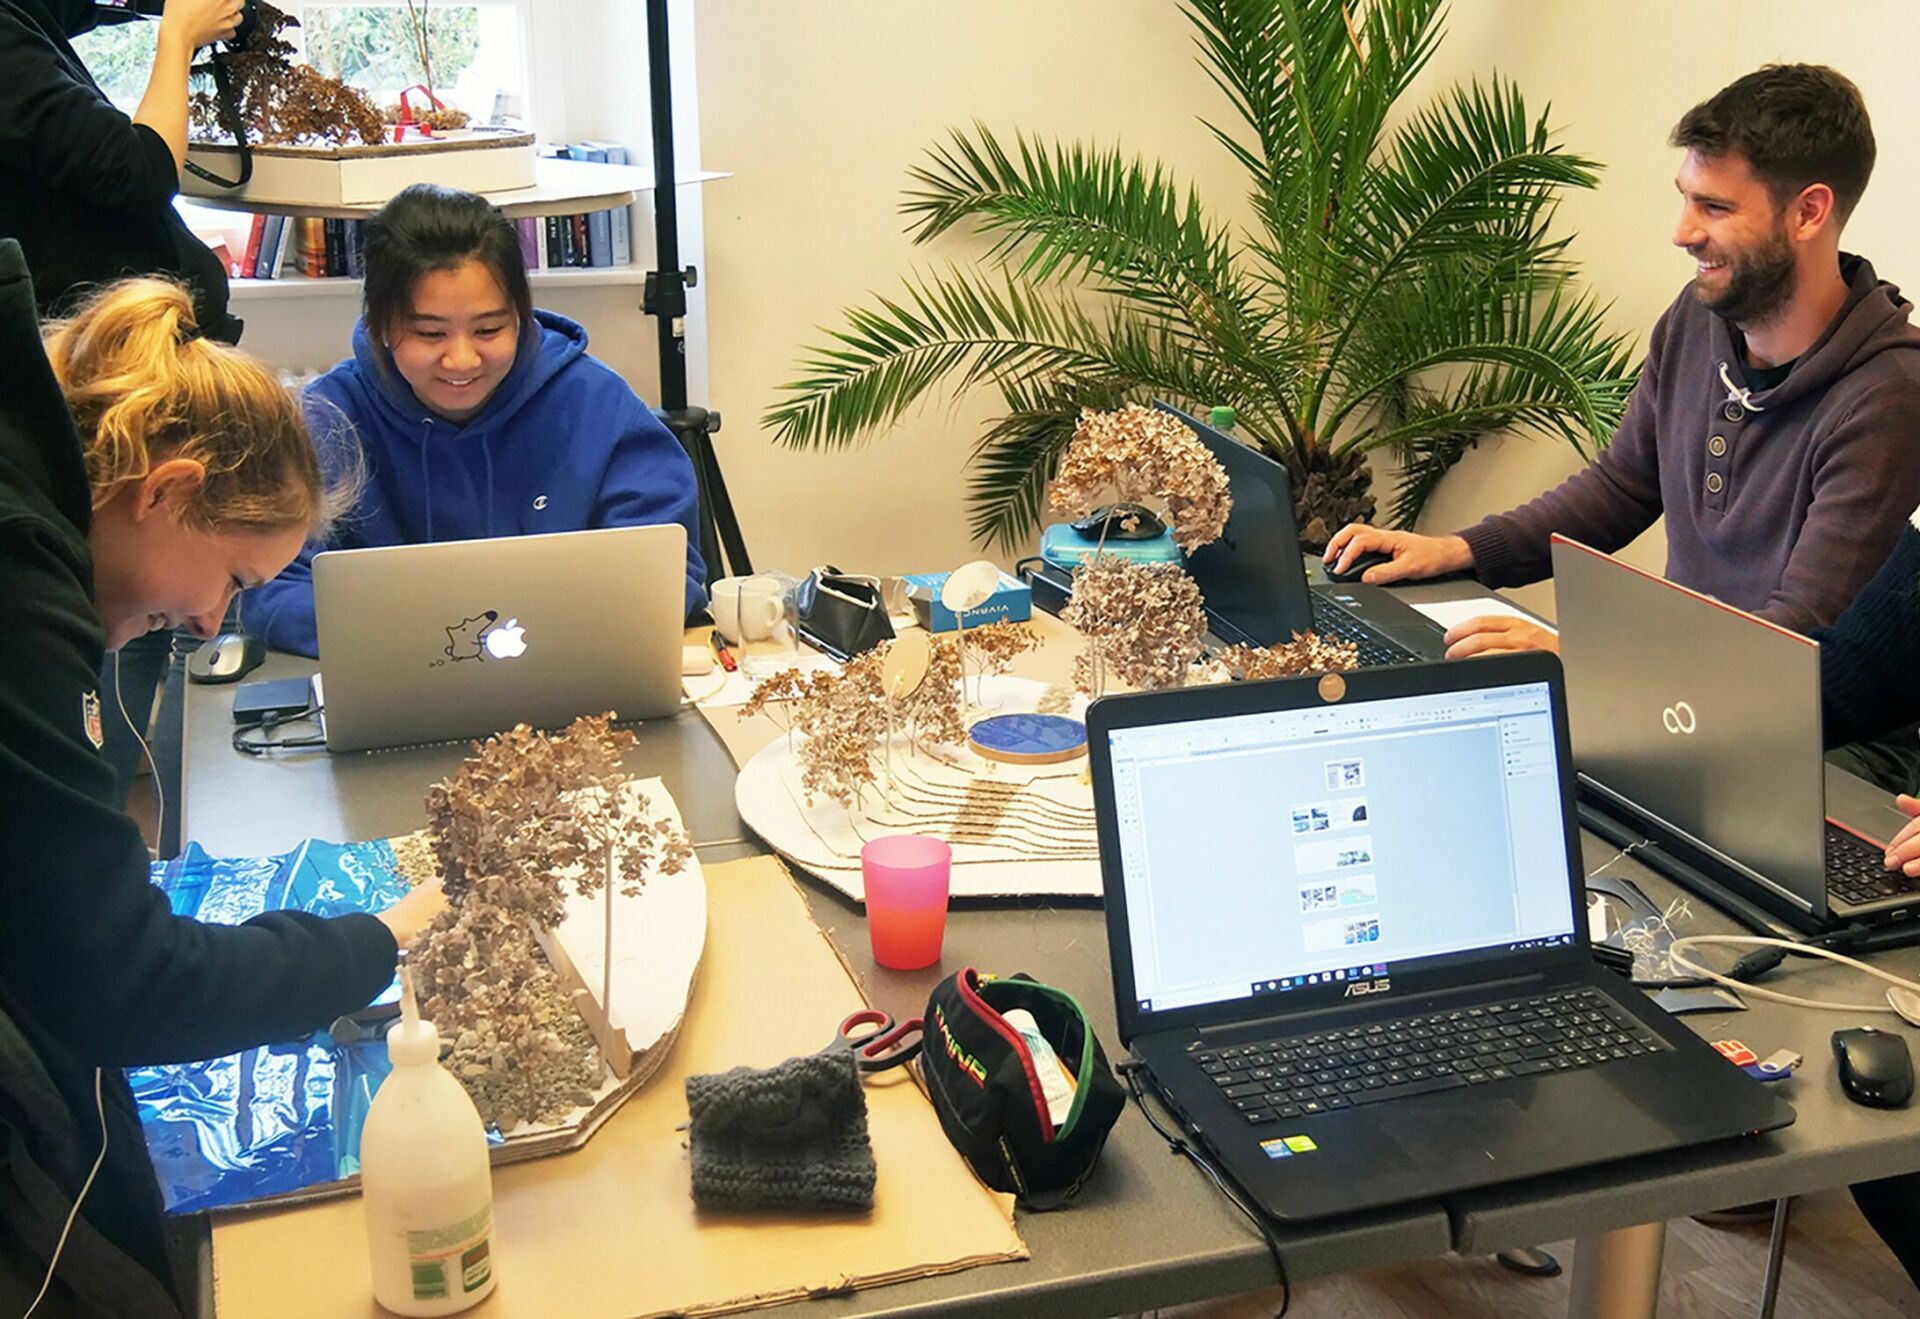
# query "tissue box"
(1011, 602)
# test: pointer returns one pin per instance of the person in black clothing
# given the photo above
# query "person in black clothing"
(1868, 662)
(146, 474)
(88, 191)
(89, 194)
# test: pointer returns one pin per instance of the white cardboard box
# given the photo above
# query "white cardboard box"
(359, 175)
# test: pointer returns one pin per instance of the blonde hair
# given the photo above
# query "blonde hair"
(144, 388)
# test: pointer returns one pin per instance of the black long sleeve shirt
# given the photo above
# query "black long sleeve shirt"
(87, 192)
(1870, 657)
(95, 969)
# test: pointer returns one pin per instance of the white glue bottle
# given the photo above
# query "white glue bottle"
(426, 1179)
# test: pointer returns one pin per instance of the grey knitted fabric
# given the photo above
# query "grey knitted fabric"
(792, 1136)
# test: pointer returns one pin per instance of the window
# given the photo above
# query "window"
(477, 51)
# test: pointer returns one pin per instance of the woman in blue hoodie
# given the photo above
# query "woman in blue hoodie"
(476, 415)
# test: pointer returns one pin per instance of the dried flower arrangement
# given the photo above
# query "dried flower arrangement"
(843, 716)
(526, 818)
(440, 118)
(1142, 621)
(1308, 652)
(281, 102)
(1143, 454)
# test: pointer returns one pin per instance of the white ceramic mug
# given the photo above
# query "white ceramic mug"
(748, 608)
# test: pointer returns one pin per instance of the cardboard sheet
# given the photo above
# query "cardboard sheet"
(611, 1230)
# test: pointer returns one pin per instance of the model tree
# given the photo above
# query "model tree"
(279, 101)
(526, 819)
(1143, 622)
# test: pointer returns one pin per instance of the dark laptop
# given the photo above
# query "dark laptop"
(1349, 940)
(1254, 577)
(1721, 762)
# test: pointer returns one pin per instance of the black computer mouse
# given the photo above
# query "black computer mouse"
(1120, 522)
(229, 657)
(1361, 562)
(1875, 1067)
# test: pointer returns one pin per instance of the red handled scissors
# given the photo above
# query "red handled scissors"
(878, 1043)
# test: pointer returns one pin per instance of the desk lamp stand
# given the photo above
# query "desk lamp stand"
(666, 300)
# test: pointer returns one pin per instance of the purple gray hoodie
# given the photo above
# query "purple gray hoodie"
(1781, 501)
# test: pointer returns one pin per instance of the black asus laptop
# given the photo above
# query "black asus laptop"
(1721, 764)
(1348, 939)
(1254, 577)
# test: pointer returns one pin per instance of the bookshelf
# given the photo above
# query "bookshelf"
(346, 286)
(561, 187)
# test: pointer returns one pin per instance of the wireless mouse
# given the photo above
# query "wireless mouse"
(1361, 562)
(1875, 1067)
(229, 657)
(1112, 519)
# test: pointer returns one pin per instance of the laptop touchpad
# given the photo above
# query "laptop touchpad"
(1446, 1130)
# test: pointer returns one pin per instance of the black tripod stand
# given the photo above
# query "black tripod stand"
(666, 300)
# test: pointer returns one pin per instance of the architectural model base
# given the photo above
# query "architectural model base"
(1016, 829)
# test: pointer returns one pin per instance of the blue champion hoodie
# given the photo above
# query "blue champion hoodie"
(563, 445)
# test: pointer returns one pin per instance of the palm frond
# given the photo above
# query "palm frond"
(1424, 461)
(1064, 211)
(1017, 457)
(1544, 362)
(1462, 176)
(954, 327)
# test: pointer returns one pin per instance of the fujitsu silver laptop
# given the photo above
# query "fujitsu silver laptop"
(464, 639)
(1704, 722)
(1349, 945)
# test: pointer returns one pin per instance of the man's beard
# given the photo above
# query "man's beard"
(1759, 282)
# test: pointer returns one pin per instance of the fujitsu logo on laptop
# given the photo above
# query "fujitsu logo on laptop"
(1360, 988)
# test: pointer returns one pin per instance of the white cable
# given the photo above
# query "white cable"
(153, 769)
(1675, 955)
(100, 1107)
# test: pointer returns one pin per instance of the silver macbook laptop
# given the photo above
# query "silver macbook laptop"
(1704, 721)
(463, 639)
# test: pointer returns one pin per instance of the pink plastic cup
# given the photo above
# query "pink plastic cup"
(906, 878)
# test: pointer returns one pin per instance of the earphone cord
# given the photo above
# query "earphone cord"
(100, 1107)
(1677, 955)
(1180, 1145)
(159, 788)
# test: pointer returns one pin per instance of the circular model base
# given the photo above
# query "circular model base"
(1028, 739)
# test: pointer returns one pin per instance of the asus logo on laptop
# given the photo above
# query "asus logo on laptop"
(1361, 988)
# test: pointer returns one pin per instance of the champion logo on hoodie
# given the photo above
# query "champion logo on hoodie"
(539, 502)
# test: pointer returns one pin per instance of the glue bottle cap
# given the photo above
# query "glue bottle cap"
(413, 1040)
(1222, 417)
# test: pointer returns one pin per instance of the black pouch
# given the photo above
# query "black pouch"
(981, 1077)
(842, 614)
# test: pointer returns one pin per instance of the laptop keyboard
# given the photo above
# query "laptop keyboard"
(1330, 620)
(1857, 870)
(1301, 1075)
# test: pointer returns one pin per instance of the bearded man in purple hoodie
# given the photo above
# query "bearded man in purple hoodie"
(1776, 422)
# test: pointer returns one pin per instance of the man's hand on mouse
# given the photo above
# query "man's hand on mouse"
(1413, 556)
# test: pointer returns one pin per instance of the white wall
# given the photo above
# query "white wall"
(820, 108)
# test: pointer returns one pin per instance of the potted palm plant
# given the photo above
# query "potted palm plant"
(1398, 288)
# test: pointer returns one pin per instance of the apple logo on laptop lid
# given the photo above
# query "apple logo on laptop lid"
(508, 641)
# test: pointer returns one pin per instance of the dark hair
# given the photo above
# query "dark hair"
(1796, 125)
(426, 228)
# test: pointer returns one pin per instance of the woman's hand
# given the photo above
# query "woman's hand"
(413, 913)
(197, 23)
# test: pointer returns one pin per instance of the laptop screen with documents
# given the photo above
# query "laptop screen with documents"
(1266, 852)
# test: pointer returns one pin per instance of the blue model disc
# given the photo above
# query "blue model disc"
(1028, 738)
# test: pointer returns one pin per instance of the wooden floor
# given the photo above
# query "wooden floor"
(1835, 1267)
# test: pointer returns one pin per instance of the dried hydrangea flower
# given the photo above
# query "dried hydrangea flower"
(1308, 652)
(1144, 621)
(526, 818)
(1143, 454)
